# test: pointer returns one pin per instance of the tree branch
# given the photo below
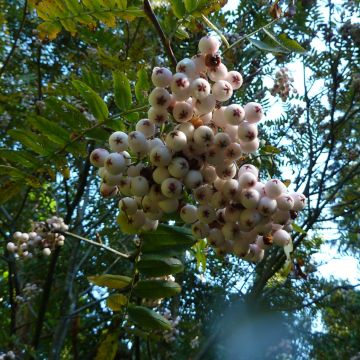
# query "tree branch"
(16, 39)
(165, 41)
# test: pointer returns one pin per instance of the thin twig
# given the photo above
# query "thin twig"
(107, 248)
(237, 42)
(16, 39)
(165, 41)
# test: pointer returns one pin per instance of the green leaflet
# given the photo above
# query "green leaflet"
(147, 318)
(95, 103)
(168, 239)
(156, 289)
(157, 265)
(122, 91)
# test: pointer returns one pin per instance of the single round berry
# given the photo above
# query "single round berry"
(281, 238)
(200, 88)
(137, 142)
(222, 90)
(247, 131)
(146, 127)
(188, 214)
(182, 111)
(209, 45)
(98, 156)
(118, 141)
(176, 140)
(161, 77)
(253, 112)
(115, 164)
(186, 66)
(234, 114)
(285, 202)
(171, 188)
(139, 186)
(274, 188)
(128, 205)
(235, 79)
(159, 98)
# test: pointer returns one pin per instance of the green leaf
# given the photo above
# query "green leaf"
(178, 8)
(108, 347)
(191, 5)
(8, 190)
(51, 130)
(271, 149)
(156, 289)
(116, 301)
(95, 103)
(142, 86)
(168, 239)
(122, 91)
(16, 173)
(200, 254)
(181, 33)
(275, 39)
(111, 281)
(266, 47)
(30, 141)
(157, 265)
(147, 318)
(20, 157)
(291, 44)
(298, 228)
(62, 111)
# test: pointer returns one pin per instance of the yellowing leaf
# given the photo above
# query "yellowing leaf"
(108, 348)
(111, 281)
(49, 30)
(116, 301)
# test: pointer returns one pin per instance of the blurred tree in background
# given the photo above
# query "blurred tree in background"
(281, 308)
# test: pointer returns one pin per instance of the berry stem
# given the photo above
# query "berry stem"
(213, 27)
(165, 41)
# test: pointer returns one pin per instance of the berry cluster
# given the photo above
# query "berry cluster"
(283, 84)
(44, 237)
(189, 154)
(10, 355)
(170, 335)
(28, 293)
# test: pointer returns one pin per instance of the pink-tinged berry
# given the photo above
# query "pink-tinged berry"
(98, 156)
(247, 132)
(118, 141)
(159, 98)
(253, 112)
(234, 114)
(146, 126)
(182, 111)
(281, 238)
(161, 77)
(285, 202)
(235, 79)
(200, 88)
(209, 45)
(115, 163)
(222, 90)
(274, 188)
